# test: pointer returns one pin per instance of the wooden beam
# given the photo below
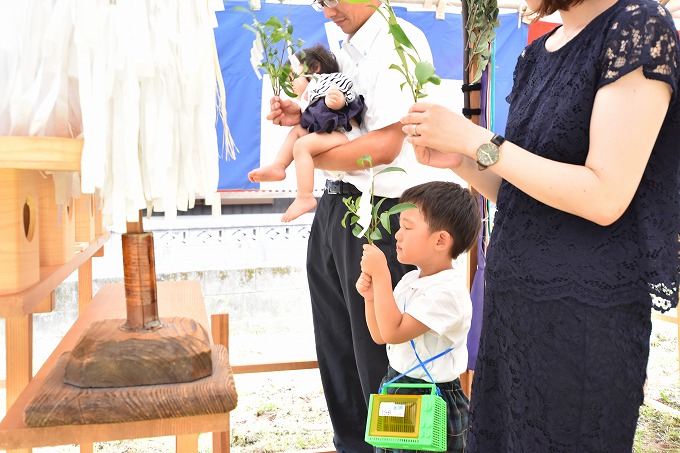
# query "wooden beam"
(279, 366)
(41, 153)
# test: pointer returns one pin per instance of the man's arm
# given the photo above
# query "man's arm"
(384, 145)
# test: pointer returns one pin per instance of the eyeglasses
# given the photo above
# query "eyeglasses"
(319, 5)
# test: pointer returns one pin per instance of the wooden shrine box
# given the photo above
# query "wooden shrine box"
(57, 227)
(19, 230)
(85, 218)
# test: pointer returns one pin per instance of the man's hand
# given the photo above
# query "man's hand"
(335, 99)
(364, 286)
(284, 112)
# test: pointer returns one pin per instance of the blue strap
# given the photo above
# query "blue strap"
(413, 345)
(420, 364)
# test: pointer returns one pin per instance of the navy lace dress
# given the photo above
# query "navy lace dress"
(566, 322)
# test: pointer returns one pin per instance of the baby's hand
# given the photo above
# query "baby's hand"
(335, 99)
(364, 286)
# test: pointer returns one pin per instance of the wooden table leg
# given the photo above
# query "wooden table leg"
(187, 443)
(219, 326)
(19, 360)
(84, 285)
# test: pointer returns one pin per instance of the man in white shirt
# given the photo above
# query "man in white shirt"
(350, 363)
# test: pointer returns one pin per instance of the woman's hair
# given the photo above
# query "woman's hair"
(550, 6)
(449, 207)
(318, 60)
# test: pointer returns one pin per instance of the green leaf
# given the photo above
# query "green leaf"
(344, 219)
(287, 89)
(248, 27)
(376, 208)
(365, 160)
(424, 71)
(398, 68)
(385, 221)
(390, 169)
(435, 80)
(273, 22)
(397, 208)
(356, 231)
(375, 235)
(400, 36)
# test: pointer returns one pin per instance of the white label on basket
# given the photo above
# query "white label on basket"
(388, 409)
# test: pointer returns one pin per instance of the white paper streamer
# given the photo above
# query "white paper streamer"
(137, 79)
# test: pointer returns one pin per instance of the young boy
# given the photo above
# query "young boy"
(429, 305)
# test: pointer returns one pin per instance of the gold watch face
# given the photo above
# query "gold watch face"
(487, 154)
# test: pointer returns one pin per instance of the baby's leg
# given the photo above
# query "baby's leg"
(303, 152)
(276, 171)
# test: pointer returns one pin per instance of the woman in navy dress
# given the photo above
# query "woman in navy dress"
(585, 240)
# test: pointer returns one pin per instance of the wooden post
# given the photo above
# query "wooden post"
(219, 326)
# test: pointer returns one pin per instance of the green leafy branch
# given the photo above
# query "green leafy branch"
(481, 30)
(423, 71)
(278, 44)
(354, 209)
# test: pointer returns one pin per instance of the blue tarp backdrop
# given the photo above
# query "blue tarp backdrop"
(244, 91)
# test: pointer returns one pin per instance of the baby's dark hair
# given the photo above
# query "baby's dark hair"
(318, 59)
(449, 207)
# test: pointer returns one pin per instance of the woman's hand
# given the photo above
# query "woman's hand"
(435, 158)
(438, 128)
(284, 112)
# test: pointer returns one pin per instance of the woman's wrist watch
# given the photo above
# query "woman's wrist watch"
(489, 153)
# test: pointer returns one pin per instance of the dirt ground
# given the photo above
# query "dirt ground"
(286, 411)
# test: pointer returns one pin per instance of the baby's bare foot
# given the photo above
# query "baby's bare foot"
(267, 173)
(299, 207)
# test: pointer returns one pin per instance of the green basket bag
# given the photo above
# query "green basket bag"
(409, 422)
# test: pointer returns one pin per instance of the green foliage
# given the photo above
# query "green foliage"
(372, 233)
(481, 29)
(278, 43)
(423, 71)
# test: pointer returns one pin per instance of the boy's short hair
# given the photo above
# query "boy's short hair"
(449, 207)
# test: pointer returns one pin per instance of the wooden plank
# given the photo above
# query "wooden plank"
(19, 340)
(41, 153)
(59, 404)
(47, 305)
(660, 317)
(24, 302)
(278, 366)
(177, 298)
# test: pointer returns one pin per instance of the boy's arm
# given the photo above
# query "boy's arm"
(365, 289)
(372, 322)
(394, 326)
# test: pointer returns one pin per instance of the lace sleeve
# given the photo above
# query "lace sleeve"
(645, 36)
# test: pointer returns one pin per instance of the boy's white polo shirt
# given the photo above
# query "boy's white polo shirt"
(441, 302)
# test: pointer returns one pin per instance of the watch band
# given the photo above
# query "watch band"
(497, 140)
